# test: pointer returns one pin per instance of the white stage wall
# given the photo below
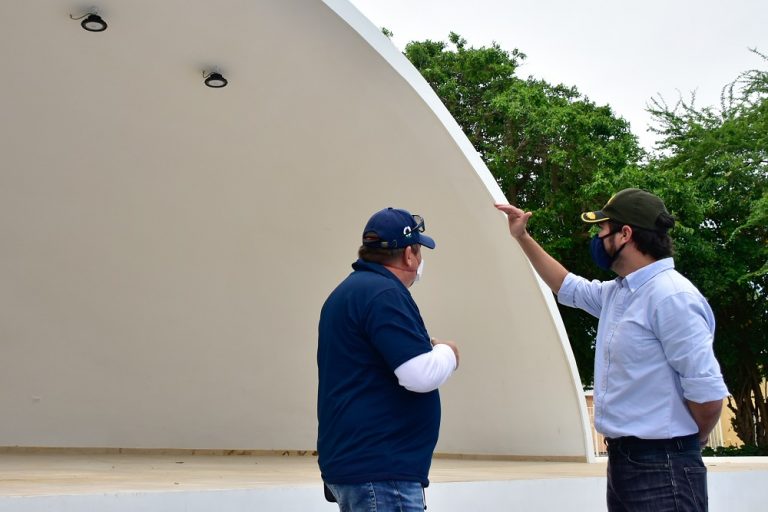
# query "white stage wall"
(166, 247)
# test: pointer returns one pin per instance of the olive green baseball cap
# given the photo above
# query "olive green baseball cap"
(630, 206)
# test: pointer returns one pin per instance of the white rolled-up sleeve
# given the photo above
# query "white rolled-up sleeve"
(428, 371)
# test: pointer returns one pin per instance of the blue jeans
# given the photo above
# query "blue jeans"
(656, 475)
(387, 496)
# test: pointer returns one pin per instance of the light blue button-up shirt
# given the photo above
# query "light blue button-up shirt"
(653, 350)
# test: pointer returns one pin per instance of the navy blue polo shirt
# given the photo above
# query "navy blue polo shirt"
(369, 427)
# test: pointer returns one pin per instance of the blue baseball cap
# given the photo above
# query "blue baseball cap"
(393, 228)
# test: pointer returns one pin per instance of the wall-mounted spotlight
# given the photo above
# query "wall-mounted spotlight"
(92, 22)
(215, 80)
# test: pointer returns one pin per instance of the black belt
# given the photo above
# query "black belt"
(682, 443)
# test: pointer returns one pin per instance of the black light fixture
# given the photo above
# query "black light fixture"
(215, 81)
(92, 22)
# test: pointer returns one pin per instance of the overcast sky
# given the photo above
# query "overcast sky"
(616, 52)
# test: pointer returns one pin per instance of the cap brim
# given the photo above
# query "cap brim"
(594, 217)
(426, 241)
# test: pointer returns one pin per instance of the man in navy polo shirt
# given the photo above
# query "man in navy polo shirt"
(378, 407)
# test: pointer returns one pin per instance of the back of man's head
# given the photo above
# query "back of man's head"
(388, 232)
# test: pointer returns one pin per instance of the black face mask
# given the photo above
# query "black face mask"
(599, 255)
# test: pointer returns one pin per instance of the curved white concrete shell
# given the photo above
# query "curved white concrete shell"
(166, 247)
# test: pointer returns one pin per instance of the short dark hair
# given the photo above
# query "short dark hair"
(381, 256)
(656, 243)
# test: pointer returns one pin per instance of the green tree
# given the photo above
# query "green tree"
(712, 169)
(556, 153)
(545, 145)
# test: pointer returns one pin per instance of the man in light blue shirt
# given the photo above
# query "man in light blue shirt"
(658, 387)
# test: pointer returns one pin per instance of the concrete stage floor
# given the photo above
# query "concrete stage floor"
(137, 481)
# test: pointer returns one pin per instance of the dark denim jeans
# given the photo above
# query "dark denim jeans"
(656, 475)
(388, 496)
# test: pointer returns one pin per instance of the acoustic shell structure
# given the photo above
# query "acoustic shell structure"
(167, 246)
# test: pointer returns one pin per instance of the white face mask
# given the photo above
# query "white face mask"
(419, 271)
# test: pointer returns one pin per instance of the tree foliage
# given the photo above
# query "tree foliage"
(713, 164)
(556, 153)
(545, 145)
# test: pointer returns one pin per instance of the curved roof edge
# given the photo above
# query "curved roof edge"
(389, 52)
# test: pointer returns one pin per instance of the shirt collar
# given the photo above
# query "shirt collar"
(642, 275)
(367, 266)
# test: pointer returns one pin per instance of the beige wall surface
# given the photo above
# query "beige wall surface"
(166, 247)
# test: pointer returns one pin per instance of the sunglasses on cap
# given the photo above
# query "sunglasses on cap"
(419, 220)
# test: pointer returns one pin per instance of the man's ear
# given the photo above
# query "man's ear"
(409, 256)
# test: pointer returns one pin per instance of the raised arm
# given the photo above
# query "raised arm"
(550, 270)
